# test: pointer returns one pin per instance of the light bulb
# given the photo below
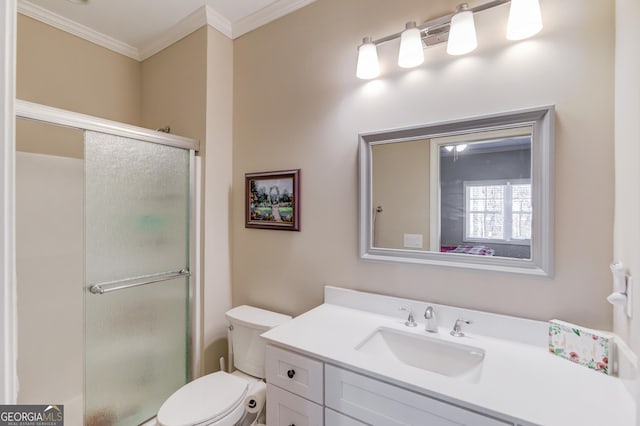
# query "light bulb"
(461, 147)
(368, 66)
(462, 33)
(411, 53)
(525, 19)
(449, 148)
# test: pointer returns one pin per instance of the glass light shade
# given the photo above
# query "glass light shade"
(461, 147)
(368, 66)
(462, 35)
(411, 53)
(449, 148)
(525, 19)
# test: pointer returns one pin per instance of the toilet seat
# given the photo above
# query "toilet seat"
(205, 401)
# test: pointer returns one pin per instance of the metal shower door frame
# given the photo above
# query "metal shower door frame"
(61, 117)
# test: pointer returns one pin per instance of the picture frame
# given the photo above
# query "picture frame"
(272, 200)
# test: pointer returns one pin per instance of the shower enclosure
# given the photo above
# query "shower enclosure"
(104, 253)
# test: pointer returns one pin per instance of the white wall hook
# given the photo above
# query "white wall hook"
(622, 287)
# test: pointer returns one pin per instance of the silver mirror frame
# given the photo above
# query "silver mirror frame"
(542, 178)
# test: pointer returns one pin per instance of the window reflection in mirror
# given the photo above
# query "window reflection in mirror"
(485, 205)
(474, 193)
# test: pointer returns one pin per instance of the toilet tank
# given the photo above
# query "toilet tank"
(247, 324)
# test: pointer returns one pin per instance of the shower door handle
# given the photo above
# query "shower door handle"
(107, 287)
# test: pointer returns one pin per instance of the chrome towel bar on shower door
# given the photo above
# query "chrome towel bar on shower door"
(106, 287)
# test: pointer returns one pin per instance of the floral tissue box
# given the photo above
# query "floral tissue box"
(583, 346)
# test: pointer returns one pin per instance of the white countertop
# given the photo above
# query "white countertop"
(519, 381)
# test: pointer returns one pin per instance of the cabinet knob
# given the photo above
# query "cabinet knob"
(290, 375)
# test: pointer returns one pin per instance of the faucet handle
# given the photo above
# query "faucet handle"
(410, 322)
(457, 327)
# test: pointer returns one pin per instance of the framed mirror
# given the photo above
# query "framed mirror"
(471, 193)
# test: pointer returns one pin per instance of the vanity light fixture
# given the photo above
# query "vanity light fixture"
(462, 32)
(368, 66)
(456, 150)
(457, 29)
(525, 19)
(459, 148)
(411, 52)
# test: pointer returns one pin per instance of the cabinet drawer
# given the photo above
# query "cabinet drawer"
(333, 418)
(295, 373)
(287, 409)
(379, 403)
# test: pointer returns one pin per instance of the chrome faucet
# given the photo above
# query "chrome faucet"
(430, 315)
(457, 327)
(410, 322)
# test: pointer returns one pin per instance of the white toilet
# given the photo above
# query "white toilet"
(218, 399)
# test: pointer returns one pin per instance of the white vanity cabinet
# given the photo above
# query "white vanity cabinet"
(302, 391)
(295, 390)
(334, 418)
(378, 403)
(287, 409)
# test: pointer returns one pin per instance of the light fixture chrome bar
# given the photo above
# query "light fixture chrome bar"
(107, 287)
(439, 23)
(488, 5)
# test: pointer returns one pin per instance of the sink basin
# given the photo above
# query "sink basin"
(424, 352)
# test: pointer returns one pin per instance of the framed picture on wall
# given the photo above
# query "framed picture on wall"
(272, 200)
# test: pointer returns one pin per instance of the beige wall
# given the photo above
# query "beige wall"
(61, 70)
(173, 87)
(217, 196)
(57, 69)
(188, 86)
(401, 187)
(297, 103)
(627, 157)
(43, 138)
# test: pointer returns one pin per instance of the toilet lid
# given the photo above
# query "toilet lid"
(205, 399)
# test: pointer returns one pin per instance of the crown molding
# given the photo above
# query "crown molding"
(219, 22)
(205, 15)
(60, 22)
(264, 16)
(199, 18)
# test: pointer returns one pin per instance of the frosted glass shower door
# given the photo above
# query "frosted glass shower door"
(136, 232)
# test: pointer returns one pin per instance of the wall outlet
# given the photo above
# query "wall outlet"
(413, 241)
